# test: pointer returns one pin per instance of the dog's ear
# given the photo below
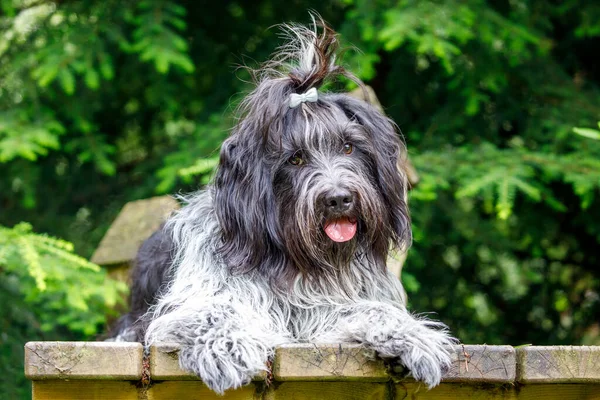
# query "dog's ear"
(388, 158)
(244, 201)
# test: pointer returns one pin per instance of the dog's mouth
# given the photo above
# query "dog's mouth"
(340, 229)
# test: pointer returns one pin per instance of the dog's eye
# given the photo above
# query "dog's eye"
(296, 159)
(348, 148)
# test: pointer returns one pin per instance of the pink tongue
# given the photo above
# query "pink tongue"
(340, 230)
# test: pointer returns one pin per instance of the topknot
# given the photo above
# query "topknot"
(308, 59)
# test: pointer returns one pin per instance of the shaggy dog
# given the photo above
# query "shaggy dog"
(289, 243)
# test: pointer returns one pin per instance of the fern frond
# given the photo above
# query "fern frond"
(71, 258)
(506, 197)
(32, 261)
(475, 186)
(200, 167)
(530, 190)
(52, 242)
(498, 175)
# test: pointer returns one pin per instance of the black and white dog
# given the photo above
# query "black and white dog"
(289, 243)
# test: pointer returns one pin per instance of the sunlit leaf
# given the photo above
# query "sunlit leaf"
(589, 133)
(92, 80)
(67, 81)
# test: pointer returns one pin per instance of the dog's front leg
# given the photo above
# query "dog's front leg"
(419, 344)
(226, 348)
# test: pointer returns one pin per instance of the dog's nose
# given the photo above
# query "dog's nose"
(338, 201)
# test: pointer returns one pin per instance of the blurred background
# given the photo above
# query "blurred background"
(104, 101)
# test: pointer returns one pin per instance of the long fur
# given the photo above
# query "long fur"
(246, 266)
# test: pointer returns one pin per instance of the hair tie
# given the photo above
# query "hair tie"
(310, 95)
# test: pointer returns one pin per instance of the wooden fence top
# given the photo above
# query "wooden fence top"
(307, 362)
(109, 370)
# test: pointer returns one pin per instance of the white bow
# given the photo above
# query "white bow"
(310, 95)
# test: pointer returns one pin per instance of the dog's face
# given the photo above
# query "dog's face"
(325, 187)
(311, 188)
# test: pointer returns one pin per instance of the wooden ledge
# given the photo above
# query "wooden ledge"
(83, 360)
(559, 364)
(109, 370)
(308, 362)
(348, 362)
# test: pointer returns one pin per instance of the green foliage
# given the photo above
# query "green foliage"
(487, 95)
(64, 289)
(21, 138)
(436, 35)
(156, 38)
(102, 102)
(50, 290)
(496, 176)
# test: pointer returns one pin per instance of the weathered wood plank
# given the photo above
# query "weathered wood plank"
(314, 390)
(483, 391)
(454, 391)
(84, 390)
(558, 364)
(492, 364)
(83, 360)
(477, 363)
(327, 391)
(559, 392)
(192, 390)
(323, 363)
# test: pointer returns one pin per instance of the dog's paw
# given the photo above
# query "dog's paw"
(221, 369)
(426, 366)
(424, 352)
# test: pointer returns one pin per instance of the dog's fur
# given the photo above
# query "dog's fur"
(246, 266)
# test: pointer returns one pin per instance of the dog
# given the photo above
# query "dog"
(289, 242)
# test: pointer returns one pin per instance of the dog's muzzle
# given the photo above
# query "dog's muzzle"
(339, 225)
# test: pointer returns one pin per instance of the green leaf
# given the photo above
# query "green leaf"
(506, 195)
(587, 132)
(106, 68)
(202, 166)
(185, 63)
(46, 74)
(410, 282)
(531, 191)
(92, 80)
(67, 81)
(162, 64)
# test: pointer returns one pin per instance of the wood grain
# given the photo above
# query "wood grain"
(559, 364)
(83, 360)
(323, 363)
(476, 363)
(328, 391)
(84, 390)
(192, 390)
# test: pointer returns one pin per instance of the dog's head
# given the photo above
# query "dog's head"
(309, 180)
